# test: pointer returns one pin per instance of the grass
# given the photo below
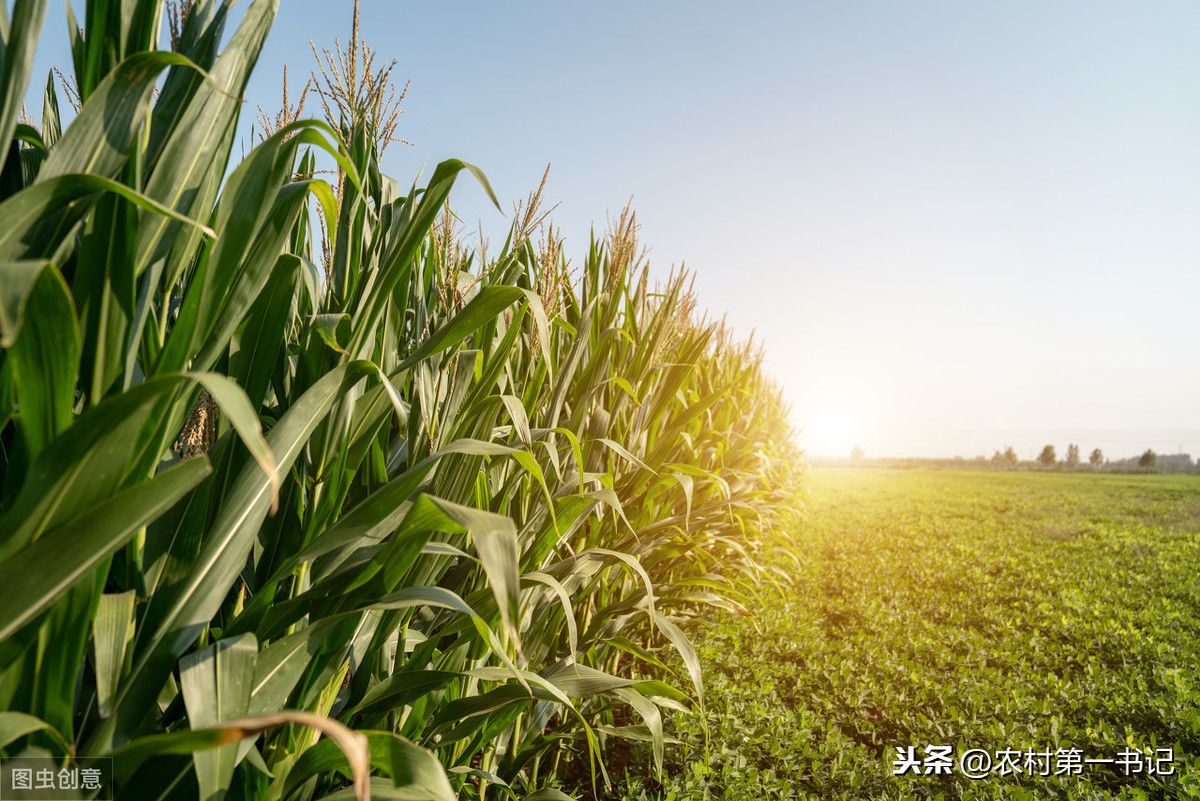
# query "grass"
(970, 609)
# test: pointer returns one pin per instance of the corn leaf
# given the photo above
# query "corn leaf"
(111, 632)
(216, 683)
(37, 575)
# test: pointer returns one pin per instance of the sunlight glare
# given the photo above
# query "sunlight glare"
(833, 433)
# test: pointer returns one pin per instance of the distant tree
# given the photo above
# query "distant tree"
(1097, 457)
(1047, 456)
(856, 453)
(1010, 456)
(1072, 455)
(1149, 459)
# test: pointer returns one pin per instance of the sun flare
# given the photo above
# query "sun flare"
(834, 432)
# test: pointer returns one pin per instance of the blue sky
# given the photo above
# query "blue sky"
(955, 226)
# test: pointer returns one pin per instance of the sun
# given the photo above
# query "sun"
(834, 432)
(836, 426)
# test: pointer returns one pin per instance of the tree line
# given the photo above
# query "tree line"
(1007, 459)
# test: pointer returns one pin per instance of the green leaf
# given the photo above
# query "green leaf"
(35, 222)
(241, 415)
(38, 575)
(98, 140)
(17, 279)
(622, 451)
(410, 597)
(520, 420)
(282, 663)
(649, 713)
(636, 566)
(488, 776)
(105, 293)
(45, 362)
(192, 132)
(259, 207)
(51, 122)
(416, 774)
(116, 28)
(382, 790)
(111, 632)
(564, 597)
(462, 709)
(376, 517)
(401, 689)
(684, 646)
(412, 220)
(495, 539)
(354, 745)
(15, 725)
(482, 308)
(78, 472)
(581, 681)
(216, 684)
(328, 326)
(241, 262)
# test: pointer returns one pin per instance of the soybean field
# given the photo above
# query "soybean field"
(1046, 621)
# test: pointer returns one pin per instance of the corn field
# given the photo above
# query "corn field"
(301, 497)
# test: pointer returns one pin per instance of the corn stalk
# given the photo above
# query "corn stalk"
(289, 514)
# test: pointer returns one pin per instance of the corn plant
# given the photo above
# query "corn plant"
(301, 498)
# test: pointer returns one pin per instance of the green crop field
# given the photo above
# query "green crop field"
(994, 611)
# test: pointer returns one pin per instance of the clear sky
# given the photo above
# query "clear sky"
(955, 225)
